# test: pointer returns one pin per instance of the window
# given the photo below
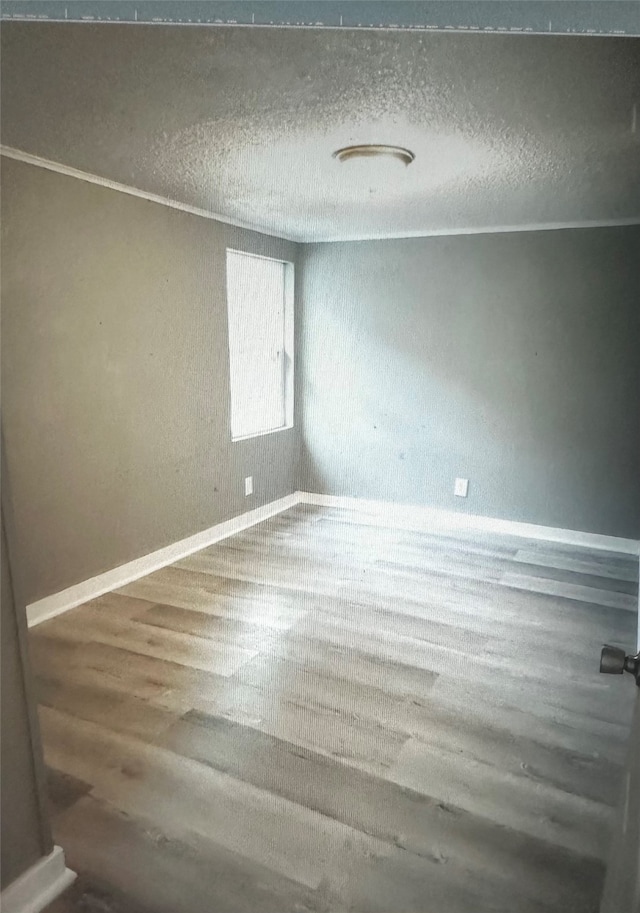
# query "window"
(260, 309)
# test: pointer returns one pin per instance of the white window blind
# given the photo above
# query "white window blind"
(260, 343)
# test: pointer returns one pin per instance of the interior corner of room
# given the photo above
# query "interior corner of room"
(214, 336)
(508, 359)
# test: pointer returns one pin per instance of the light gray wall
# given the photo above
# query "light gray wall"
(25, 836)
(115, 369)
(508, 359)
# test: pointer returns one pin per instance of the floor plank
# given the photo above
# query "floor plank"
(181, 875)
(328, 712)
(573, 590)
(381, 807)
(220, 658)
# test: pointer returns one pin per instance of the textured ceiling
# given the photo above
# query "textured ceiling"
(508, 131)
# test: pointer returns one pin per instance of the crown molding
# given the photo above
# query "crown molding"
(485, 230)
(68, 171)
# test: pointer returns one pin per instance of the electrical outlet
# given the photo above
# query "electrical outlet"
(248, 486)
(461, 488)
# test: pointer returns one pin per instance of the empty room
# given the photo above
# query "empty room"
(321, 451)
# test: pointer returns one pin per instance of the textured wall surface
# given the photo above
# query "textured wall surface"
(507, 359)
(115, 378)
(507, 129)
(22, 834)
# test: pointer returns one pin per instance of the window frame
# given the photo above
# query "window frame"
(288, 343)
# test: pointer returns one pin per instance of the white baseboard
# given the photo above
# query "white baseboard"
(403, 516)
(80, 593)
(410, 516)
(39, 885)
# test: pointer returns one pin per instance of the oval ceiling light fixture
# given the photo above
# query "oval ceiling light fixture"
(374, 151)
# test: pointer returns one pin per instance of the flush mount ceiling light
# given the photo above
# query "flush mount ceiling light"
(374, 151)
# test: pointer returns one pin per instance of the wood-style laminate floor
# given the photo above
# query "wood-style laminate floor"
(327, 714)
